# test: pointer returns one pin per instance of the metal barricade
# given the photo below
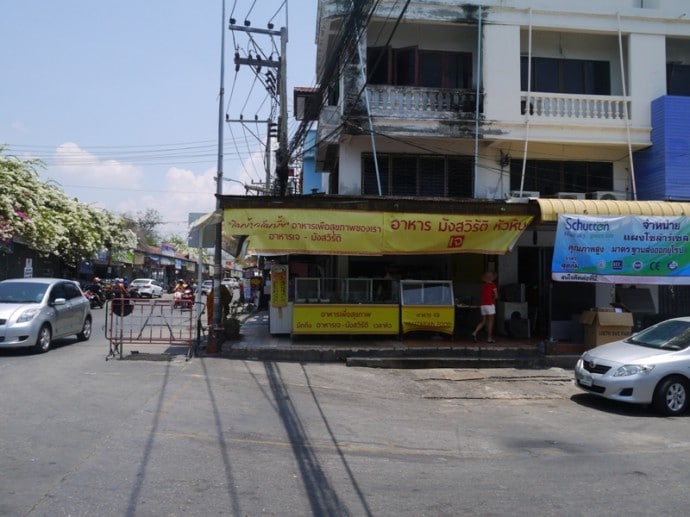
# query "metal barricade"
(148, 321)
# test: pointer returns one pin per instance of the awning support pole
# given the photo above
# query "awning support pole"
(528, 103)
(625, 109)
(371, 122)
(476, 100)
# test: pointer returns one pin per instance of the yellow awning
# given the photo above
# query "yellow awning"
(551, 208)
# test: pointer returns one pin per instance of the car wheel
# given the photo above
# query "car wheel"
(85, 333)
(43, 341)
(671, 396)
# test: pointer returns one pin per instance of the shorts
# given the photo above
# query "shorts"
(487, 310)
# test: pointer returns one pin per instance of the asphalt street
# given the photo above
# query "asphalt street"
(212, 436)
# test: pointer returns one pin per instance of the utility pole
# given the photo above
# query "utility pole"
(282, 156)
(218, 254)
(280, 66)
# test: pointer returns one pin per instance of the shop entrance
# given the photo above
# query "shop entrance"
(554, 306)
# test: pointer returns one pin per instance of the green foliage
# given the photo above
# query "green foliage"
(49, 221)
(144, 225)
(179, 243)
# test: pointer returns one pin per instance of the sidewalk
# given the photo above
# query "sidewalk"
(257, 343)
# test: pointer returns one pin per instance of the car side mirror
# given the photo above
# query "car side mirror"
(59, 301)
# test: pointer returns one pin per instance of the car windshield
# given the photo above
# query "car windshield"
(671, 335)
(22, 292)
(140, 282)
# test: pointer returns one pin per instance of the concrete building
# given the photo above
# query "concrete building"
(562, 107)
(552, 100)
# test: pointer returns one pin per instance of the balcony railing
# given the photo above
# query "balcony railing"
(569, 106)
(427, 103)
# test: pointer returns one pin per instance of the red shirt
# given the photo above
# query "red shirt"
(488, 295)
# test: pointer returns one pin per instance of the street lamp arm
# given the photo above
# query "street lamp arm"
(246, 187)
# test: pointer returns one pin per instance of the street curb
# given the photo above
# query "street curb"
(405, 358)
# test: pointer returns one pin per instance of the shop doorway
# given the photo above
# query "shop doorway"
(554, 307)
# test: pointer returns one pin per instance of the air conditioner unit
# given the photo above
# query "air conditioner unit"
(607, 194)
(523, 193)
(570, 195)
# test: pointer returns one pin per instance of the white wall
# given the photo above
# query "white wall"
(647, 73)
(350, 166)
(501, 72)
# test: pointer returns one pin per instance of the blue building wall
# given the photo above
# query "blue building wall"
(662, 172)
(310, 178)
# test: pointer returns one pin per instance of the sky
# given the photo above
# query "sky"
(121, 101)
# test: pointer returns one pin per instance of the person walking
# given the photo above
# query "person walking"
(487, 306)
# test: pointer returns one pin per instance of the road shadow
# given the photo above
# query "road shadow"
(28, 350)
(322, 494)
(615, 407)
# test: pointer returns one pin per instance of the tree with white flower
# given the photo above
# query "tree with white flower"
(49, 221)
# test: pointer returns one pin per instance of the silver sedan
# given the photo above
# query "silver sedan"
(649, 367)
(34, 311)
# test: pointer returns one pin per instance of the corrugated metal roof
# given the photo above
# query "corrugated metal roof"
(551, 208)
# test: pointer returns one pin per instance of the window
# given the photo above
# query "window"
(58, 291)
(433, 171)
(678, 79)
(370, 185)
(574, 76)
(550, 177)
(377, 65)
(403, 181)
(71, 291)
(419, 175)
(405, 67)
(460, 176)
(410, 66)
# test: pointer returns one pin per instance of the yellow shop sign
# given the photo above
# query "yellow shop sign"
(345, 319)
(429, 318)
(351, 232)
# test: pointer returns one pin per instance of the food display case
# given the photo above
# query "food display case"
(427, 305)
(345, 306)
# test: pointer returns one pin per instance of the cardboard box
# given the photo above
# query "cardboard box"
(603, 325)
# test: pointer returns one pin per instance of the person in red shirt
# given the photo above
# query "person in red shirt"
(487, 306)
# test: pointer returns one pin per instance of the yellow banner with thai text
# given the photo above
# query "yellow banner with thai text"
(351, 232)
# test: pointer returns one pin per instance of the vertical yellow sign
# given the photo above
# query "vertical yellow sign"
(279, 286)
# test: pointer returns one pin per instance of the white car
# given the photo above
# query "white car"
(649, 367)
(206, 286)
(231, 283)
(35, 311)
(145, 288)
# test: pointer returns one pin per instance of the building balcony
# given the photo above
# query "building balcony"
(573, 108)
(405, 102)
